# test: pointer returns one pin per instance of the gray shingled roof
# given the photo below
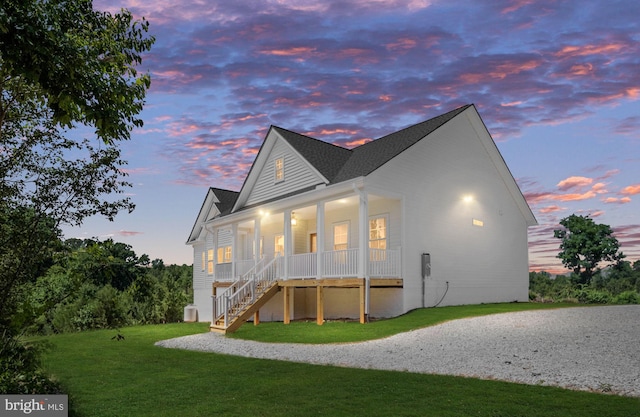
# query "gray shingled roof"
(339, 164)
(227, 199)
(327, 158)
(372, 155)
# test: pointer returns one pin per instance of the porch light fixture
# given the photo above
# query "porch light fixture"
(294, 221)
(467, 198)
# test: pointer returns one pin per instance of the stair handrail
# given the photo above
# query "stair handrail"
(247, 294)
(218, 301)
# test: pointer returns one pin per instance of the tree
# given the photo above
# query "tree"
(585, 244)
(63, 66)
(82, 61)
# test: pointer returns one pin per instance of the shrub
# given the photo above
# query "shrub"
(627, 297)
(20, 369)
(591, 296)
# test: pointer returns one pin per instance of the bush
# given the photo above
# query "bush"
(627, 297)
(20, 369)
(619, 284)
(591, 296)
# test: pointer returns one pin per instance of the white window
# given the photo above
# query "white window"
(341, 236)
(203, 260)
(378, 232)
(210, 262)
(279, 245)
(378, 238)
(279, 170)
(224, 255)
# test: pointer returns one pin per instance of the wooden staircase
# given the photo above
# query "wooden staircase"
(243, 311)
(234, 306)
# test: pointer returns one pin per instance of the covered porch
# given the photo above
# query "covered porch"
(350, 242)
(354, 236)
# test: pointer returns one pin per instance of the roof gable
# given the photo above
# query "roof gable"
(327, 158)
(225, 199)
(307, 163)
(218, 202)
(372, 155)
(325, 163)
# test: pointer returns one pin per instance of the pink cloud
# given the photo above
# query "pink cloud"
(292, 51)
(516, 5)
(575, 196)
(499, 71)
(574, 182)
(599, 188)
(609, 174)
(631, 190)
(551, 209)
(615, 200)
(571, 51)
(402, 44)
(128, 233)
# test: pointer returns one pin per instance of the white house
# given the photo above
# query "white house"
(426, 216)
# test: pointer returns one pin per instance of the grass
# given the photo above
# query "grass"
(344, 332)
(134, 378)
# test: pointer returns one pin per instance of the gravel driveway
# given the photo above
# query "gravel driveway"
(582, 348)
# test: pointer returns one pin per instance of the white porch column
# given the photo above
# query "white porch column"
(256, 240)
(363, 247)
(234, 249)
(320, 239)
(288, 244)
(363, 235)
(214, 261)
(214, 234)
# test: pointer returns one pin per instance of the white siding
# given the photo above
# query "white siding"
(300, 237)
(297, 175)
(225, 238)
(198, 273)
(480, 264)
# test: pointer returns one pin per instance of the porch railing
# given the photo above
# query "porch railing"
(223, 272)
(304, 265)
(219, 306)
(336, 264)
(340, 263)
(229, 304)
(384, 263)
(344, 264)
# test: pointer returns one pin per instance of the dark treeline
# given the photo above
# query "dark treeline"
(93, 284)
(617, 284)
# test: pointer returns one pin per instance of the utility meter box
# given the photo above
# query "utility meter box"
(426, 265)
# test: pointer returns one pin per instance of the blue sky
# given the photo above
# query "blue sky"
(556, 82)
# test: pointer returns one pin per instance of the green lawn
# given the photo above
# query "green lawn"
(134, 378)
(342, 332)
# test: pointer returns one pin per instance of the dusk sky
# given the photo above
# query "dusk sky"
(556, 82)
